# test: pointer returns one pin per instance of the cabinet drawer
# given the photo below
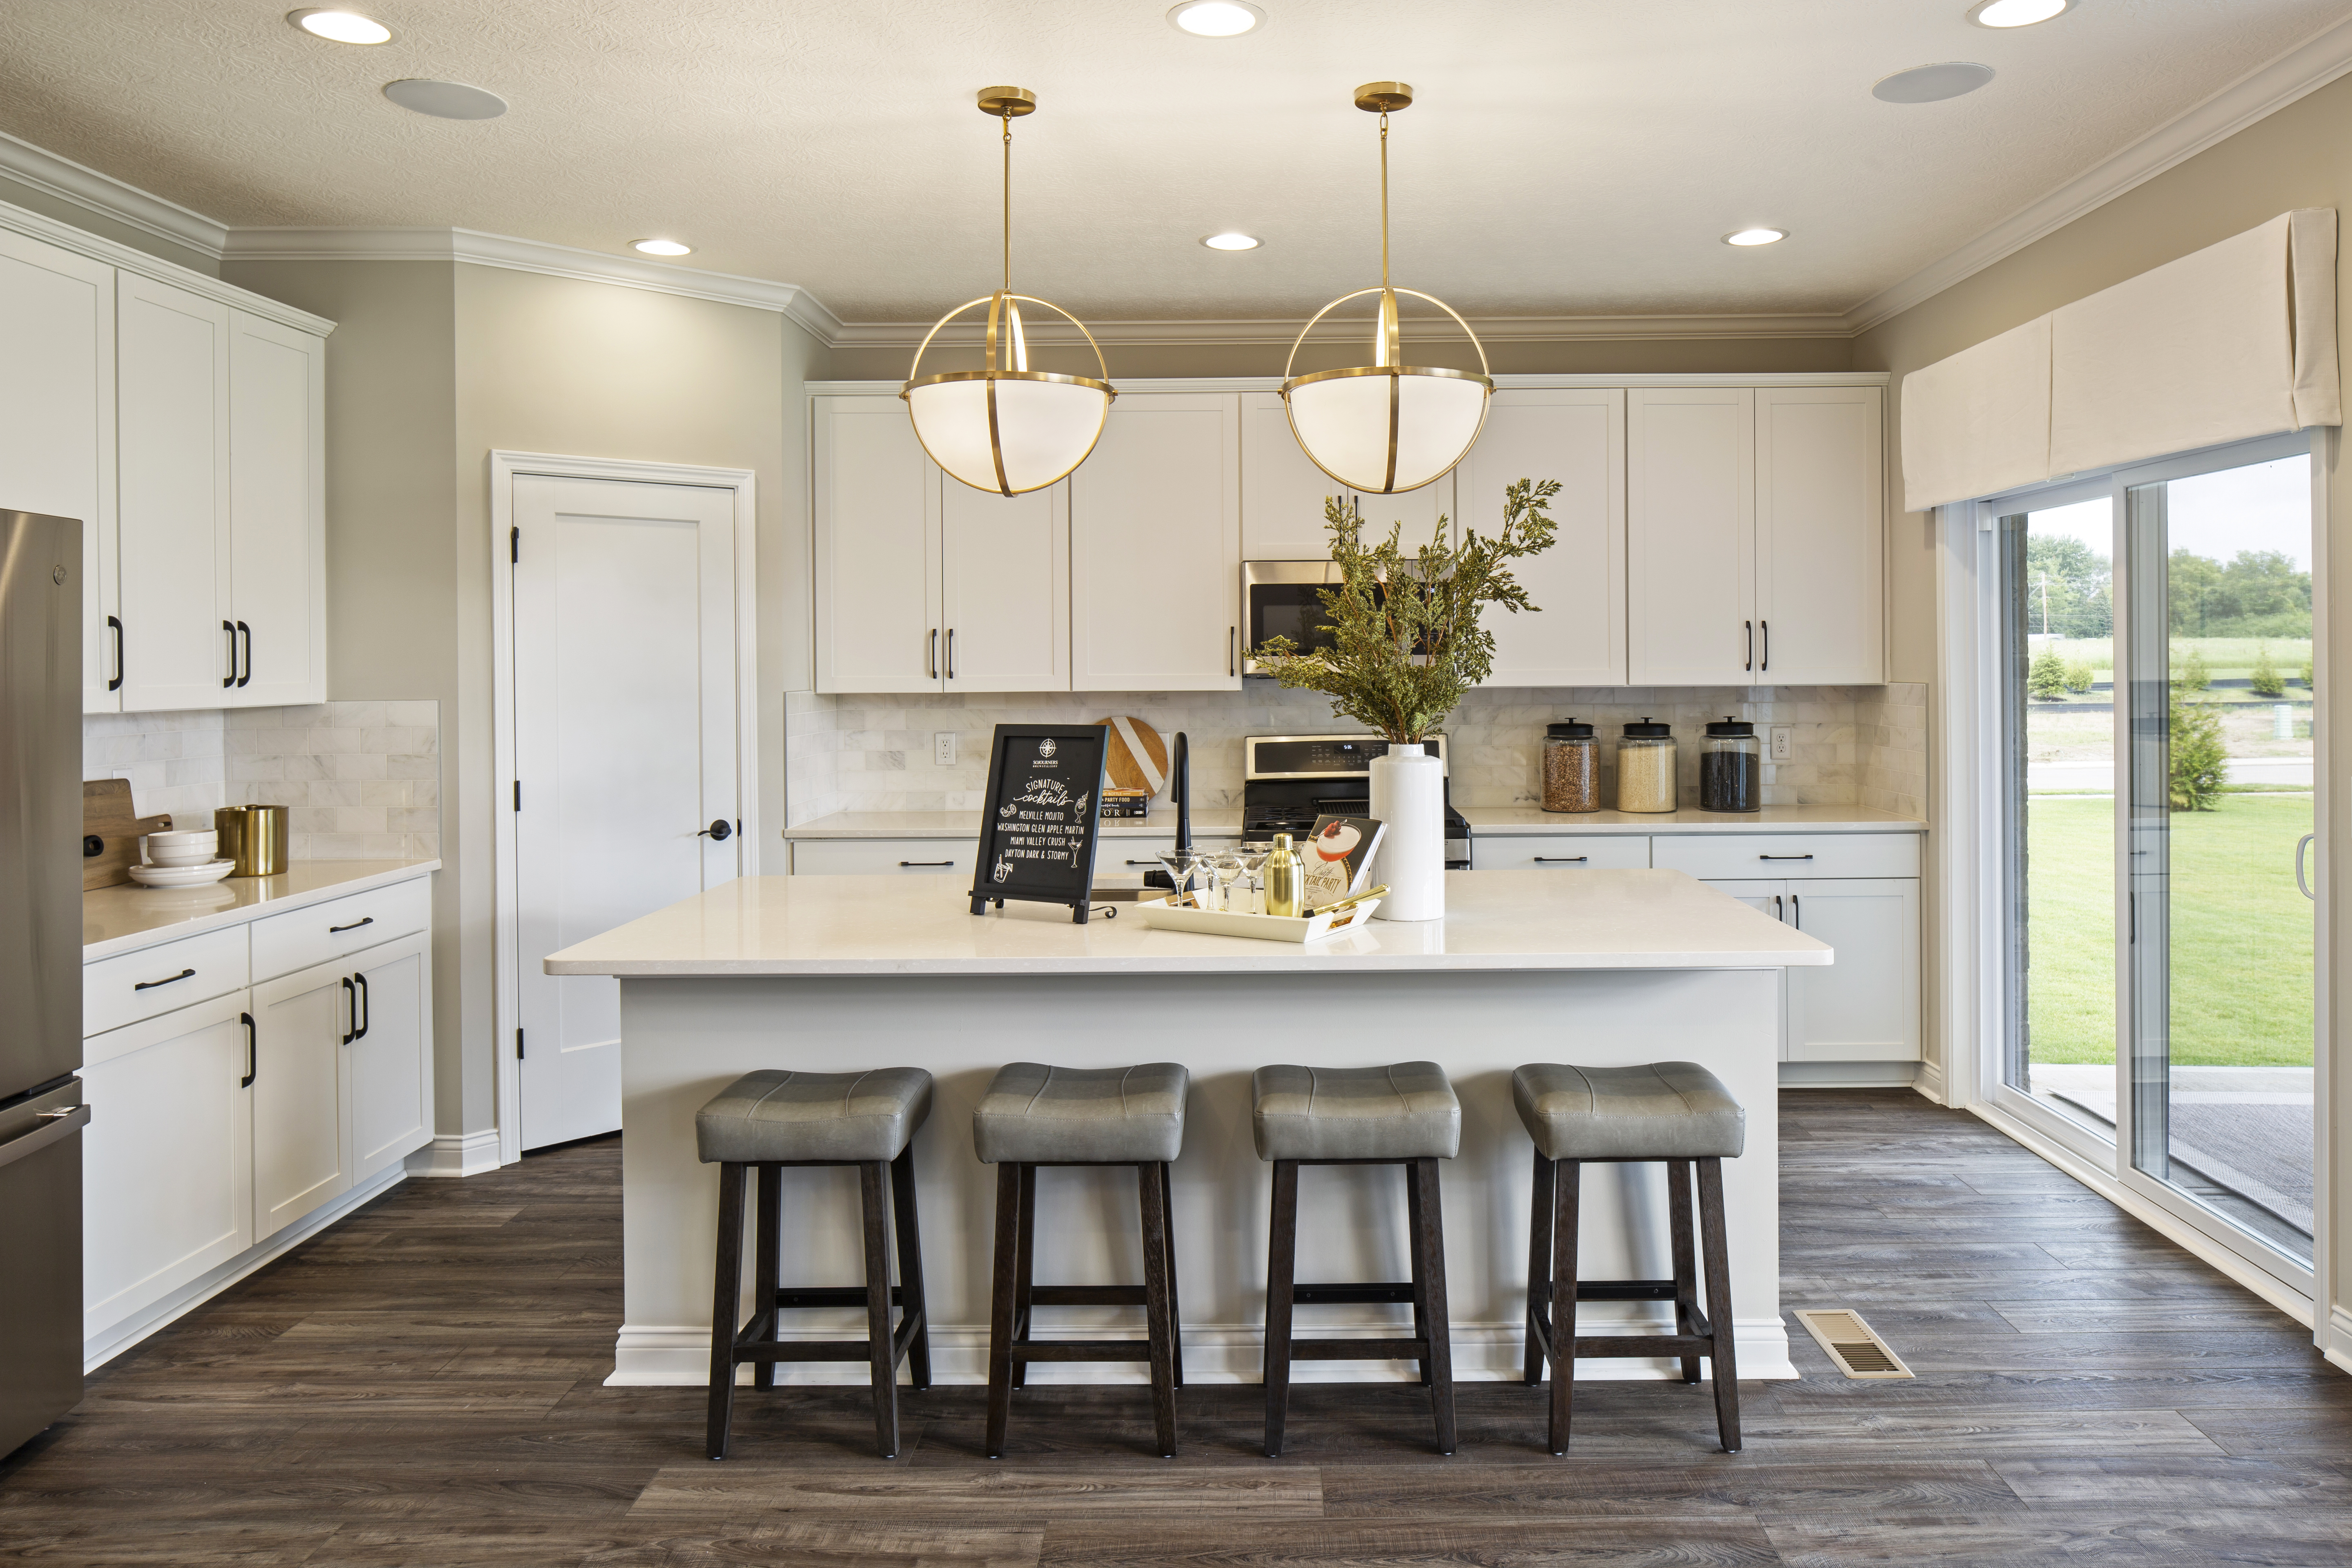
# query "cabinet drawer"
(119, 990)
(1558, 852)
(881, 857)
(1132, 856)
(1715, 857)
(324, 932)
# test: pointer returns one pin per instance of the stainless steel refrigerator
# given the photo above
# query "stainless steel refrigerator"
(41, 1110)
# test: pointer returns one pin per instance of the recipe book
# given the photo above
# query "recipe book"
(1337, 858)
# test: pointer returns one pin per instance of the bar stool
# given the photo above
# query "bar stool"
(1674, 1113)
(1406, 1115)
(769, 1120)
(1035, 1115)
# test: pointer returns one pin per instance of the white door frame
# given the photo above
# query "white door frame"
(505, 468)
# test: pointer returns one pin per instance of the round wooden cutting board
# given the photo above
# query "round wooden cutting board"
(1139, 757)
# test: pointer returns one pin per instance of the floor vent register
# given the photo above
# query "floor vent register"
(1854, 1344)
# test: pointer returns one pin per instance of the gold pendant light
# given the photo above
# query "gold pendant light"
(1007, 428)
(1388, 426)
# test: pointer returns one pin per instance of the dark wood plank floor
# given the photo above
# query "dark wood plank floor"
(421, 1385)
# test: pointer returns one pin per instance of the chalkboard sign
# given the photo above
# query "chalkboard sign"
(1038, 831)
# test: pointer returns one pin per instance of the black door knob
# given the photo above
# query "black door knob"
(721, 830)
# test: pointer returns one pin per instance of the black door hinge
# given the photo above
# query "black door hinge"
(518, 805)
(517, 1045)
(514, 545)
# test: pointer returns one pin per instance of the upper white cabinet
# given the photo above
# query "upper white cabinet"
(1005, 588)
(1690, 552)
(277, 512)
(1576, 435)
(57, 421)
(1156, 548)
(1282, 493)
(1820, 512)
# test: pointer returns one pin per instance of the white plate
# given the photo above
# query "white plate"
(181, 876)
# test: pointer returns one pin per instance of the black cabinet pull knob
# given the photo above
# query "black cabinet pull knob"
(91, 846)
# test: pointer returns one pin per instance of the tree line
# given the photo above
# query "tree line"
(2261, 593)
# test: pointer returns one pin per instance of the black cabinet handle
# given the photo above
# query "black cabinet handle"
(1233, 653)
(951, 653)
(1765, 627)
(229, 627)
(252, 1052)
(1751, 645)
(352, 998)
(366, 920)
(1143, 862)
(1784, 856)
(935, 653)
(718, 832)
(943, 862)
(245, 632)
(1778, 910)
(167, 980)
(115, 625)
(1797, 912)
(1562, 860)
(366, 1010)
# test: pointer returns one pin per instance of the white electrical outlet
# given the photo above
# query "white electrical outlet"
(943, 747)
(1784, 743)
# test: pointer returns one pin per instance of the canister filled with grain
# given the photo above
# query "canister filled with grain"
(1645, 767)
(1571, 768)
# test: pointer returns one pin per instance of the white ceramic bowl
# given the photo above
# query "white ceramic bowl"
(179, 856)
(193, 838)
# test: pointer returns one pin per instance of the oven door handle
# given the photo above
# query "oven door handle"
(55, 1125)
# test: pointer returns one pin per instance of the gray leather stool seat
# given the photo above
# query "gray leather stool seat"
(1035, 1115)
(1665, 1110)
(1403, 1112)
(1040, 1115)
(849, 1116)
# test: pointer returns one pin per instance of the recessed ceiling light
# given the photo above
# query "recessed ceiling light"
(1231, 241)
(1745, 236)
(661, 247)
(2016, 13)
(444, 99)
(1932, 84)
(340, 27)
(1215, 19)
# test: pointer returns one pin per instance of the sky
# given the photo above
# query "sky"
(2265, 506)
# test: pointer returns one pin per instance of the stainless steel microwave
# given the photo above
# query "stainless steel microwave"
(1279, 599)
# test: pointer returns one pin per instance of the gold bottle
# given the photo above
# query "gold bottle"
(1286, 880)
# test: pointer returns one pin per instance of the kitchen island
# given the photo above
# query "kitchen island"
(832, 974)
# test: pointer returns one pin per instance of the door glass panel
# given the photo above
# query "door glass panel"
(2222, 807)
(2059, 775)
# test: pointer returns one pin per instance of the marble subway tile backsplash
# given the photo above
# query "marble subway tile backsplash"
(363, 779)
(1853, 745)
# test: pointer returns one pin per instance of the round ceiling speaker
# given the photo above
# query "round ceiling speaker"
(444, 99)
(1932, 84)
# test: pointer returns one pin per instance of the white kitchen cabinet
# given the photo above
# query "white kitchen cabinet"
(1557, 852)
(167, 1163)
(390, 1106)
(1156, 548)
(877, 552)
(172, 429)
(1820, 530)
(1866, 1007)
(1690, 551)
(1282, 493)
(301, 1145)
(276, 512)
(1005, 588)
(1576, 435)
(57, 422)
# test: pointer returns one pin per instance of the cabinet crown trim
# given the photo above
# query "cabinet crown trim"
(82, 242)
(1502, 383)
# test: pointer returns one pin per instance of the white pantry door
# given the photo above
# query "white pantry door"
(626, 755)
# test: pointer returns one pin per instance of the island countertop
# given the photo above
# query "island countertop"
(915, 926)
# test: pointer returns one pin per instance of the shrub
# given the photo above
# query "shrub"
(2079, 676)
(2191, 675)
(2198, 763)
(2265, 677)
(2306, 675)
(2046, 677)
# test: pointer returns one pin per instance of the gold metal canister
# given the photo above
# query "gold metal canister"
(254, 836)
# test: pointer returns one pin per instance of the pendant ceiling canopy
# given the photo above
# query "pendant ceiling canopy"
(1388, 426)
(1006, 427)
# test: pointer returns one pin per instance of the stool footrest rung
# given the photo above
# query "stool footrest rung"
(1702, 1335)
(833, 1296)
(1350, 1295)
(1360, 1350)
(1604, 1345)
(1087, 1296)
(749, 1350)
(1625, 1290)
(1081, 1350)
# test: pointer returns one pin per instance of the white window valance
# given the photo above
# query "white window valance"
(2234, 341)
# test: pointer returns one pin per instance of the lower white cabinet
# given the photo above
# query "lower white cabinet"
(1865, 1006)
(390, 1071)
(300, 1157)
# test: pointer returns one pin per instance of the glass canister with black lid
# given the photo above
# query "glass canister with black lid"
(1645, 767)
(1730, 767)
(1572, 767)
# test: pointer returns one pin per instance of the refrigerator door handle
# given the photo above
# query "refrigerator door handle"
(56, 1126)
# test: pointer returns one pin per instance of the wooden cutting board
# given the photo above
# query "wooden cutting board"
(1139, 757)
(109, 818)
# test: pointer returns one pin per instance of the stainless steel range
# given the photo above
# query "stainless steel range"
(1287, 781)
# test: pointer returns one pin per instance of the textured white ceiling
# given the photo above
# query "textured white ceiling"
(1565, 156)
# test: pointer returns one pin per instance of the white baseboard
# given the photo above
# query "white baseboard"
(1850, 1075)
(457, 1155)
(2338, 1347)
(1931, 1082)
(105, 1345)
(655, 1357)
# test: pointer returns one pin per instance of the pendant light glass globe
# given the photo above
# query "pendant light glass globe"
(1006, 427)
(1387, 427)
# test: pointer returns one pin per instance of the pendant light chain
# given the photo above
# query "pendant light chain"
(1008, 199)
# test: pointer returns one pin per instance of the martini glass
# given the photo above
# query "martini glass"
(1182, 866)
(1253, 858)
(1224, 867)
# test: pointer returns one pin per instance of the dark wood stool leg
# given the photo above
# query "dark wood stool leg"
(911, 1267)
(1414, 1255)
(883, 1364)
(1026, 1271)
(767, 1275)
(1281, 1274)
(999, 1311)
(1678, 1221)
(1159, 1300)
(1539, 1207)
(726, 1292)
(1563, 1299)
(1429, 1240)
(1168, 1228)
(1716, 1248)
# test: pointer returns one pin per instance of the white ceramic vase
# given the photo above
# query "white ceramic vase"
(1409, 798)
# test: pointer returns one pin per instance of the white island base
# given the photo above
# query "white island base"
(830, 975)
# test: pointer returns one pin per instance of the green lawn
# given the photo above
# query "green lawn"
(2242, 938)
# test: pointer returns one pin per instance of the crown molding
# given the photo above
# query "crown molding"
(97, 247)
(1502, 383)
(110, 198)
(2267, 89)
(905, 335)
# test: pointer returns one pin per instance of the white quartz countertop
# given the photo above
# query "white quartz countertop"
(1494, 821)
(1161, 824)
(126, 918)
(806, 926)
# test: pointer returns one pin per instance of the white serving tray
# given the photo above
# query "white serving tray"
(1160, 912)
